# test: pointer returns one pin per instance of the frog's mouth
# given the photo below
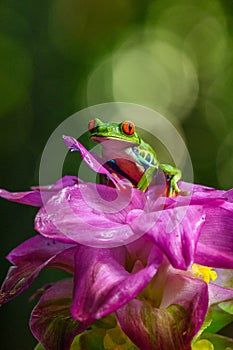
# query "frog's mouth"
(113, 141)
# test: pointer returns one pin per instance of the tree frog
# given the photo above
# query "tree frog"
(127, 155)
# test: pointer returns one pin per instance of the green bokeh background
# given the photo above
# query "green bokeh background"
(57, 57)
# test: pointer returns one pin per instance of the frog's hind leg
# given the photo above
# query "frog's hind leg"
(173, 175)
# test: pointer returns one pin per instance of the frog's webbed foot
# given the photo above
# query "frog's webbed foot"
(173, 175)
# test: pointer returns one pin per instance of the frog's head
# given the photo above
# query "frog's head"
(124, 131)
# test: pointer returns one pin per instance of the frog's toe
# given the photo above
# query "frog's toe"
(175, 187)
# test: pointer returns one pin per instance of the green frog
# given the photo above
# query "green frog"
(128, 156)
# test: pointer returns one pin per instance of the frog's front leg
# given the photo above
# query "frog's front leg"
(173, 175)
(146, 178)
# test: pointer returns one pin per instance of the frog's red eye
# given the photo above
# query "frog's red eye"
(91, 125)
(128, 128)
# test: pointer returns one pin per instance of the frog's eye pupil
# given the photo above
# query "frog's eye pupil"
(91, 125)
(128, 128)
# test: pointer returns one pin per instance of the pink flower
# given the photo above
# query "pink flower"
(126, 251)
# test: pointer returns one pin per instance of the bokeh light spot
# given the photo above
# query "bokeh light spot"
(156, 73)
(224, 164)
(15, 73)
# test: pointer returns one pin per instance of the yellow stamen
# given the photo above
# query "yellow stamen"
(206, 273)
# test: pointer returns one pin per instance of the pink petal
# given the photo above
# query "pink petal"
(88, 158)
(102, 284)
(215, 244)
(30, 258)
(174, 324)
(175, 231)
(40, 194)
(67, 180)
(89, 214)
(219, 294)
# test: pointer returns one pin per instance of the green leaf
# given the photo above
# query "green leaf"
(227, 306)
(106, 322)
(103, 339)
(39, 346)
(220, 319)
(92, 339)
(115, 338)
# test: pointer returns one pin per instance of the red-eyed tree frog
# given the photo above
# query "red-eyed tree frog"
(127, 155)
